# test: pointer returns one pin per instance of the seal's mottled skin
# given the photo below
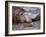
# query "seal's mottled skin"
(18, 17)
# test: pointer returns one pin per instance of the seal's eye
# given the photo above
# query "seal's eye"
(21, 14)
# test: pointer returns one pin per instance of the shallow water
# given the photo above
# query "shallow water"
(36, 25)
